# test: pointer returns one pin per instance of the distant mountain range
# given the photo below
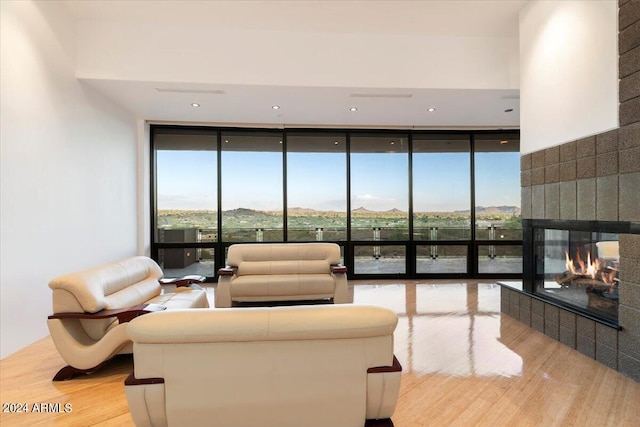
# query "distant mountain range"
(479, 209)
(365, 210)
(513, 210)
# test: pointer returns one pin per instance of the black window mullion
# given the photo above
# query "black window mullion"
(348, 249)
(219, 254)
(285, 216)
(473, 250)
(411, 251)
(154, 209)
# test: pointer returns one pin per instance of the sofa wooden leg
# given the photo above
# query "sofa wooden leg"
(68, 372)
(385, 422)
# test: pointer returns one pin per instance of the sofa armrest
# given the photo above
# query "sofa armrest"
(395, 367)
(227, 271)
(132, 380)
(183, 281)
(338, 269)
(383, 388)
(123, 314)
(223, 290)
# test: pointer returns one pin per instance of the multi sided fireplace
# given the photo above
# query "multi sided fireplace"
(575, 265)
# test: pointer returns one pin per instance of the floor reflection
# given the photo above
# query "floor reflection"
(449, 328)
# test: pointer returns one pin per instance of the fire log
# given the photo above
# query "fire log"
(566, 277)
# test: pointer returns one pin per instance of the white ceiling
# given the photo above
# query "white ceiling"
(315, 106)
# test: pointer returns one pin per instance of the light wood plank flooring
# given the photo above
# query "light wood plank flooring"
(465, 364)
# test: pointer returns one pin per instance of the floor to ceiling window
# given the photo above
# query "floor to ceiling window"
(379, 164)
(316, 186)
(497, 195)
(186, 203)
(399, 203)
(252, 194)
(441, 202)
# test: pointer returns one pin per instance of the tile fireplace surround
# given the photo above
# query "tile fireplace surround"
(593, 179)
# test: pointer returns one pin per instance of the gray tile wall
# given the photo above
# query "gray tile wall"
(594, 178)
(629, 62)
(629, 336)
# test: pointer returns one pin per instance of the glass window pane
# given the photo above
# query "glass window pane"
(186, 185)
(316, 186)
(252, 186)
(497, 170)
(379, 186)
(441, 187)
(380, 260)
(499, 259)
(178, 262)
(441, 259)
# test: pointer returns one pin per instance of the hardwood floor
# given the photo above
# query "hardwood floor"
(465, 364)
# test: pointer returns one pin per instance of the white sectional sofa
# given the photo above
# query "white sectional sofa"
(312, 366)
(282, 272)
(91, 308)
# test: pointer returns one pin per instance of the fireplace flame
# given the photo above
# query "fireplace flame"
(585, 268)
(590, 268)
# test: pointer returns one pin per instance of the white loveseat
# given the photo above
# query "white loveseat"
(312, 366)
(259, 272)
(91, 308)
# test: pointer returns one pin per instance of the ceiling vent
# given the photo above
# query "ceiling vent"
(171, 90)
(381, 95)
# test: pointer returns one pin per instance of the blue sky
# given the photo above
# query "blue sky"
(187, 180)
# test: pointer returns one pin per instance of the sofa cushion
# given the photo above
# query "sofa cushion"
(283, 285)
(187, 298)
(246, 268)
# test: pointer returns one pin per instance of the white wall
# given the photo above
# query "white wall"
(68, 169)
(568, 71)
(175, 52)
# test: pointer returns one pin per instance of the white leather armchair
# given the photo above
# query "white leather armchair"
(312, 366)
(91, 308)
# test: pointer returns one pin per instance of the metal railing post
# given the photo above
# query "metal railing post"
(492, 236)
(376, 237)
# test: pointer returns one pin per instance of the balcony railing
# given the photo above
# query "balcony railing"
(379, 233)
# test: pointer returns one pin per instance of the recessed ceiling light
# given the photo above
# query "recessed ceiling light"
(275, 107)
(508, 110)
(504, 141)
(392, 142)
(195, 104)
(353, 109)
(226, 140)
(280, 142)
(431, 110)
(335, 142)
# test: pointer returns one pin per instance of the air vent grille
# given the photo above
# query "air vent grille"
(178, 90)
